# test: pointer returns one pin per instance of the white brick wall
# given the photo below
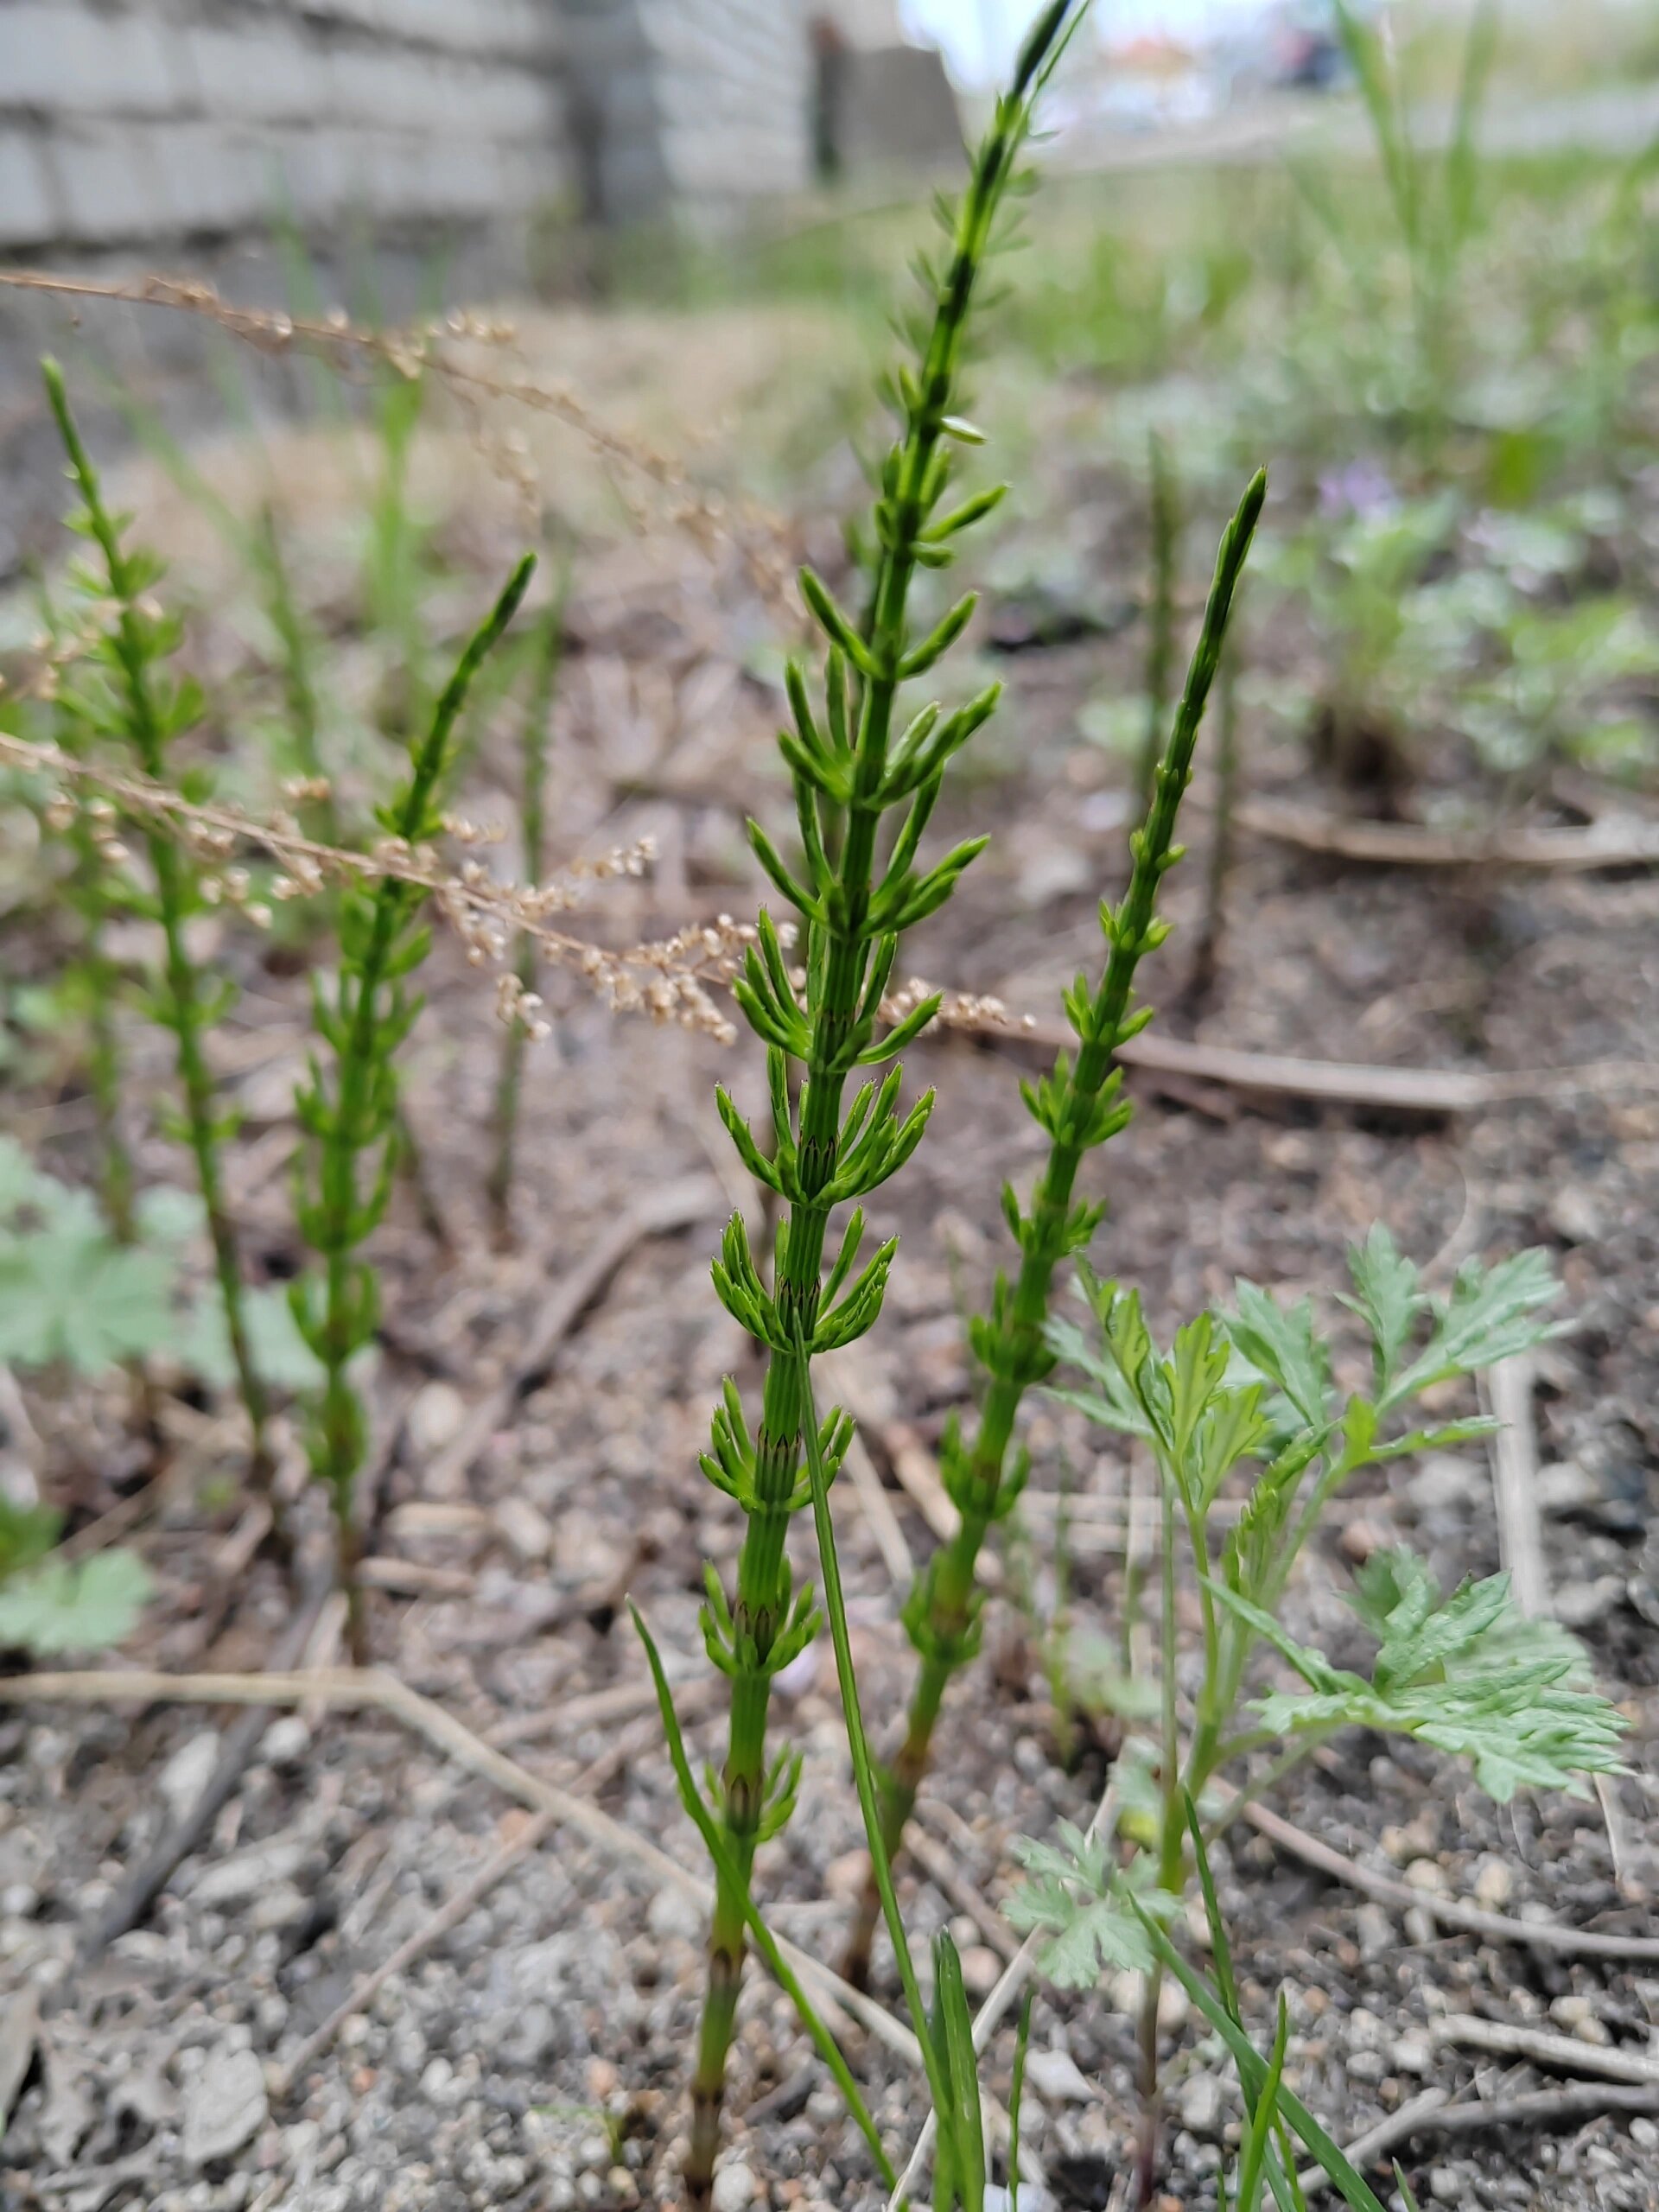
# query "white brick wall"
(161, 119)
(127, 120)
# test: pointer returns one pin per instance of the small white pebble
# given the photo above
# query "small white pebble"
(733, 2190)
(1494, 1885)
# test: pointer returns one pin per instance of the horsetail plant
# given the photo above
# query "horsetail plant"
(1078, 1107)
(851, 766)
(123, 693)
(546, 648)
(1206, 956)
(1166, 517)
(350, 1113)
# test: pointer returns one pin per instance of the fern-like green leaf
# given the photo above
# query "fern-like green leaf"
(63, 1605)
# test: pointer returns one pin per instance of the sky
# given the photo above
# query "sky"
(980, 36)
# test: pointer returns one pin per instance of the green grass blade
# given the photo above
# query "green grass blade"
(1352, 2186)
(1017, 2089)
(834, 1606)
(1253, 2169)
(1220, 1950)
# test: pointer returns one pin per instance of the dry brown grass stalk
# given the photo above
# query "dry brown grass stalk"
(437, 345)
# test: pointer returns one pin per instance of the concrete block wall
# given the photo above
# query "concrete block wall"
(125, 122)
(688, 108)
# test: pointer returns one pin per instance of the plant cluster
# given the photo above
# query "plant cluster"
(1243, 1411)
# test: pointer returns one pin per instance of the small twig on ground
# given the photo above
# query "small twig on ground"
(449, 1914)
(1452, 1912)
(1615, 840)
(375, 1690)
(878, 1512)
(131, 1903)
(941, 1869)
(672, 1206)
(1399, 2127)
(1515, 1484)
(598, 1708)
(1560, 2053)
(1542, 2108)
(1520, 1545)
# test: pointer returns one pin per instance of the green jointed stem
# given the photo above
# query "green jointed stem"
(1161, 614)
(849, 769)
(764, 1943)
(352, 1116)
(1080, 1107)
(150, 715)
(549, 651)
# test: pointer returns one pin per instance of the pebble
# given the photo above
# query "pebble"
(527, 1534)
(1572, 1214)
(1644, 2134)
(1444, 1479)
(671, 1913)
(1032, 2198)
(248, 1872)
(1580, 1605)
(1410, 2054)
(1565, 1487)
(1426, 1874)
(435, 1414)
(733, 2190)
(184, 1778)
(286, 1742)
(1200, 2103)
(1494, 1885)
(1056, 2076)
(981, 1969)
(1375, 1928)
(224, 2106)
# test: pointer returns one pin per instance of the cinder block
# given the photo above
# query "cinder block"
(257, 74)
(216, 178)
(63, 60)
(110, 188)
(29, 210)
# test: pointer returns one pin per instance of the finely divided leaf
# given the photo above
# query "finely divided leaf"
(1388, 1297)
(1279, 1343)
(63, 1606)
(1074, 1896)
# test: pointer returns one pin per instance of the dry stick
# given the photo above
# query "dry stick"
(1614, 841)
(1398, 2127)
(1432, 2114)
(374, 1689)
(1542, 2108)
(131, 1905)
(449, 1914)
(481, 903)
(1521, 1543)
(454, 1910)
(670, 1206)
(877, 1509)
(938, 1864)
(1563, 2054)
(1540, 1935)
(1403, 1090)
(1514, 1484)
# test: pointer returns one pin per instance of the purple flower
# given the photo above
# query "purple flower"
(1360, 487)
